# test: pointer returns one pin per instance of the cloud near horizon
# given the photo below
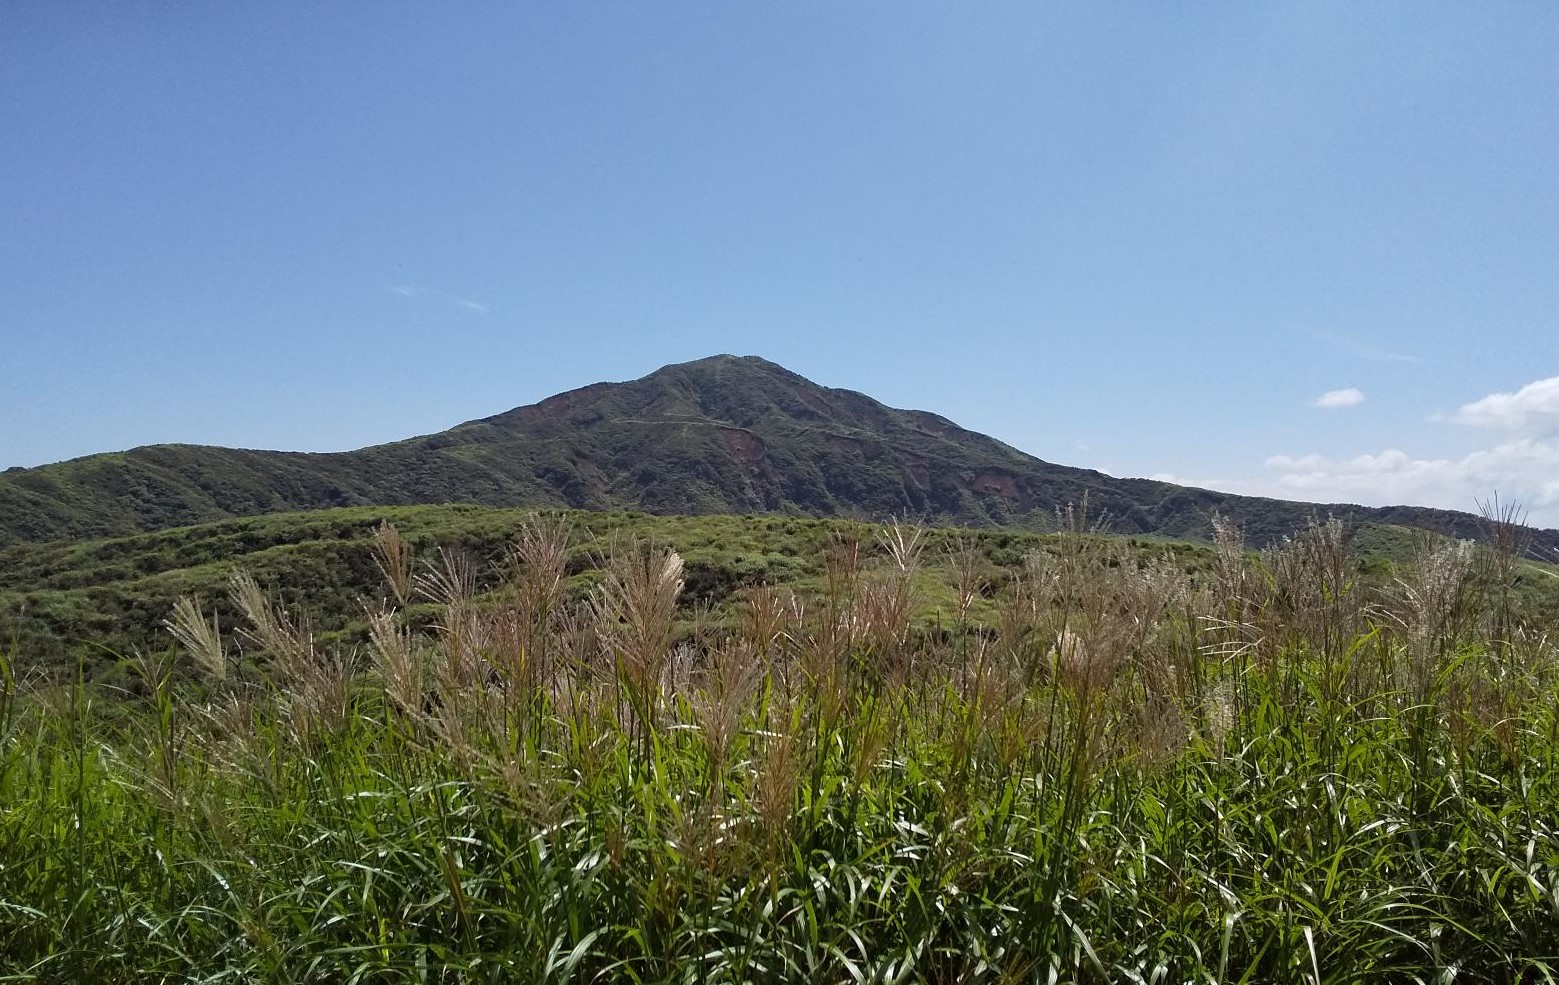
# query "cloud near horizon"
(1521, 465)
(1522, 471)
(1350, 397)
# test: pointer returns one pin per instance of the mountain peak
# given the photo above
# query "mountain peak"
(728, 363)
(728, 359)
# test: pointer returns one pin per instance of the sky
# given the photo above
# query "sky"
(1303, 250)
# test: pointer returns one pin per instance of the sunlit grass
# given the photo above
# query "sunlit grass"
(1108, 772)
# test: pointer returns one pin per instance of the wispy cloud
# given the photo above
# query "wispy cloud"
(1350, 397)
(413, 292)
(1361, 349)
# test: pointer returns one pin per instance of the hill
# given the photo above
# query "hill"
(725, 434)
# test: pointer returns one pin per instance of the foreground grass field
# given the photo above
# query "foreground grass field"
(1105, 768)
(70, 605)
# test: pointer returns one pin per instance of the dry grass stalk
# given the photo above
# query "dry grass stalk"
(1149, 592)
(731, 676)
(236, 742)
(1019, 614)
(1434, 603)
(1218, 715)
(842, 570)
(317, 686)
(993, 695)
(885, 609)
(873, 740)
(635, 610)
(394, 558)
(451, 582)
(1311, 597)
(768, 616)
(1159, 730)
(1509, 542)
(903, 543)
(885, 601)
(969, 582)
(771, 623)
(1230, 632)
(289, 644)
(394, 658)
(538, 566)
(318, 702)
(823, 669)
(1231, 568)
(451, 585)
(202, 640)
(777, 781)
(1506, 532)
(1077, 666)
(466, 640)
(678, 673)
(1480, 706)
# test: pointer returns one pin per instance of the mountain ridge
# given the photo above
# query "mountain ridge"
(723, 434)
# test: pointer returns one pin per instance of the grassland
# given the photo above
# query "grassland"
(66, 605)
(921, 760)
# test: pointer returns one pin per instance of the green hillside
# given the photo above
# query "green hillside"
(64, 600)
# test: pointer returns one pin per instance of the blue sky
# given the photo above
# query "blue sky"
(1143, 238)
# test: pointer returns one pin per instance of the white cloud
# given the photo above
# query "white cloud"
(1521, 465)
(1522, 470)
(1534, 409)
(465, 304)
(1241, 486)
(404, 290)
(1350, 397)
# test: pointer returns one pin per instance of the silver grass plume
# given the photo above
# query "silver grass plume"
(199, 638)
(394, 557)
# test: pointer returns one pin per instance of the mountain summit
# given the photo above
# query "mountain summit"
(726, 434)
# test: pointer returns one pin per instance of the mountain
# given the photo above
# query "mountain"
(727, 434)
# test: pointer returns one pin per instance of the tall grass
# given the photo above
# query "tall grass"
(1124, 775)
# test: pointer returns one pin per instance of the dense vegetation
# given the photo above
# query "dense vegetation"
(721, 435)
(69, 605)
(1099, 767)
